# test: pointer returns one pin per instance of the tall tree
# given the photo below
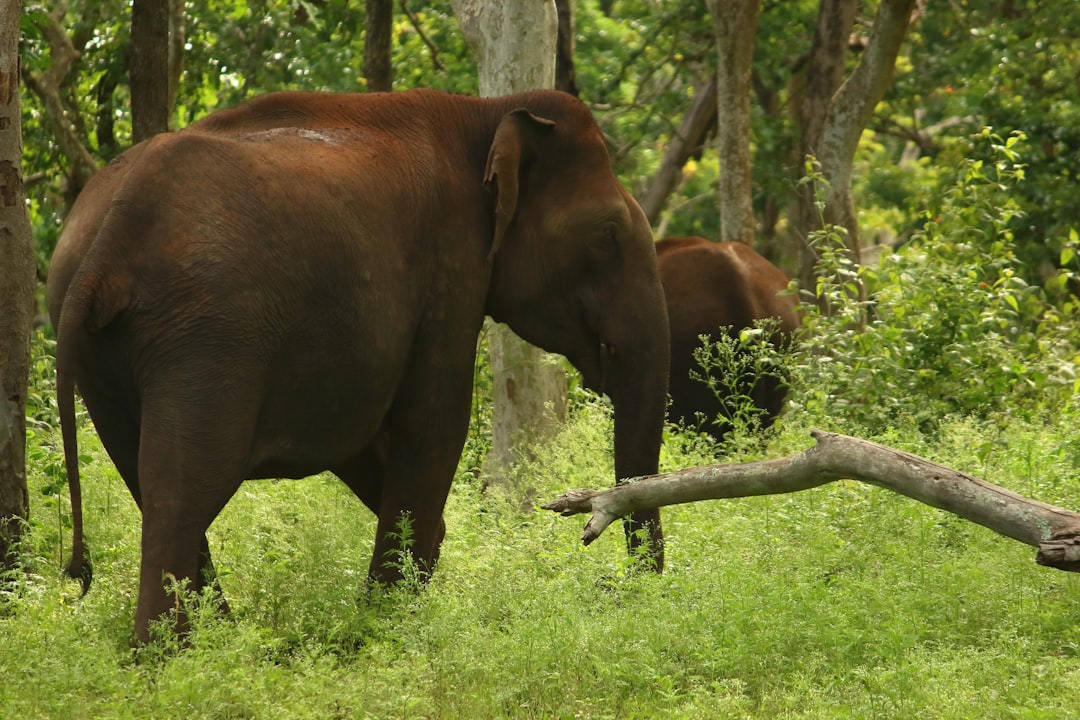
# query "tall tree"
(514, 44)
(565, 76)
(735, 24)
(177, 37)
(149, 68)
(379, 24)
(833, 111)
(17, 278)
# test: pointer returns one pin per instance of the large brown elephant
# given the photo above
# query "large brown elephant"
(710, 285)
(297, 284)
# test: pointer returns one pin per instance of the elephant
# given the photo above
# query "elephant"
(709, 285)
(296, 284)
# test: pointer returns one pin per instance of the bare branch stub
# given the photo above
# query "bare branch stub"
(1061, 552)
(572, 502)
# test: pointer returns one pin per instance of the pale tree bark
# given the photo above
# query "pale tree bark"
(149, 68)
(852, 108)
(514, 45)
(687, 141)
(1053, 530)
(17, 278)
(379, 24)
(833, 112)
(735, 24)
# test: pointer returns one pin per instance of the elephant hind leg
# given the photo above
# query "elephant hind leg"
(365, 475)
(185, 479)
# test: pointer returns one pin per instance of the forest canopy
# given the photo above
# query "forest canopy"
(1009, 66)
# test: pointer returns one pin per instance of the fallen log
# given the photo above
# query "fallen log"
(1053, 530)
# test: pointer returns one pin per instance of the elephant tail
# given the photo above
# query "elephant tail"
(73, 318)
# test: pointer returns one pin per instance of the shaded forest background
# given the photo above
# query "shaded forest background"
(1012, 66)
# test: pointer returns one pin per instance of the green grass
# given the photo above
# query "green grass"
(841, 602)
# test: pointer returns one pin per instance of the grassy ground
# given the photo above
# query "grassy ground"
(841, 602)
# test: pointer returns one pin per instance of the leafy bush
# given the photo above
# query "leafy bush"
(945, 325)
(732, 365)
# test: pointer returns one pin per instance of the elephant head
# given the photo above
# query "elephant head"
(575, 273)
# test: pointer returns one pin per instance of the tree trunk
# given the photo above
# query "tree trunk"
(735, 24)
(17, 278)
(177, 38)
(379, 23)
(149, 68)
(852, 108)
(687, 141)
(514, 44)
(832, 114)
(811, 92)
(1054, 531)
(565, 76)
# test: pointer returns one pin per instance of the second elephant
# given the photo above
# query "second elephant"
(710, 285)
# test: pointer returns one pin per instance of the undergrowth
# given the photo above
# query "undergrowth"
(843, 601)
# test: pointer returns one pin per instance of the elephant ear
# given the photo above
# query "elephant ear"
(515, 144)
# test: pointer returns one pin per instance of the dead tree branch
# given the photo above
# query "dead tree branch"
(1054, 531)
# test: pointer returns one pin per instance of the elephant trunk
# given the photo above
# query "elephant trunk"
(636, 381)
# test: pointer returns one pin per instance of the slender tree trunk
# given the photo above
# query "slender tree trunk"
(149, 68)
(177, 37)
(379, 22)
(565, 76)
(514, 44)
(852, 108)
(811, 93)
(17, 279)
(833, 112)
(735, 23)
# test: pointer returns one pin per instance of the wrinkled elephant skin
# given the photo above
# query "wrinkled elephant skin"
(297, 284)
(709, 285)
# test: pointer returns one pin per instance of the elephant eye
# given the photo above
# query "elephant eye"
(606, 243)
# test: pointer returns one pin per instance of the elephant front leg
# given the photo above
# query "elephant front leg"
(423, 438)
(406, 541)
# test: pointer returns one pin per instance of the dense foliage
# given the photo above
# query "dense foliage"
(979, 63)
(949, 318)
